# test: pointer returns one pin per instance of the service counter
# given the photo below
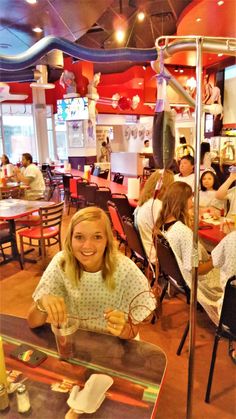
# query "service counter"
(128, 164)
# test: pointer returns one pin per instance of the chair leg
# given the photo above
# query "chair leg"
(22, 252)
(183, 339)
(210, 377)
(163, 292)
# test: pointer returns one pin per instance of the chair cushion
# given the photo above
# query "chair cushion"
(35, 233)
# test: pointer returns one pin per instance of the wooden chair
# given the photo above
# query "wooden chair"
(47, 233)
(225, 329)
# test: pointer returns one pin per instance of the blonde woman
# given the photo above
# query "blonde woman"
(149, 207)
(90, 279)
(174, 224)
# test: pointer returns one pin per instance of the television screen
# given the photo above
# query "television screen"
(72, 109)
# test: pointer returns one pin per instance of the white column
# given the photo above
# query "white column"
(40, 122)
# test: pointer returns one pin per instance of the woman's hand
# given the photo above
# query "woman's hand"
(115, 321)
(55, 308)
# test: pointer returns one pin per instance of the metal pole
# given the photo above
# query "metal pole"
(193, 300)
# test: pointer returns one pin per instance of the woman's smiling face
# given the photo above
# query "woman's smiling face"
(89, 242)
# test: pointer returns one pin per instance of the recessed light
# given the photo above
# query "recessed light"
(37, 29)
(181, 70)
(141, 16)
(198, 19)
(31, 1)
(220, 55)
(220, 3)
(140, 83)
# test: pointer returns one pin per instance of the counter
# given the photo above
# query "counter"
(129, 164)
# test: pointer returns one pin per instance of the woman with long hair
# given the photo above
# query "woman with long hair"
(174, 224)
(149, 206)
(92, 280)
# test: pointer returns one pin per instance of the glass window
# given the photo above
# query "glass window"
(61, 139)
(18, 131)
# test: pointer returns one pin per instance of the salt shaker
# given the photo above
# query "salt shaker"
(23, 401)
(4, 401)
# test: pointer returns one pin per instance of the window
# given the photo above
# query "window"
(18, 131)
(61, 140)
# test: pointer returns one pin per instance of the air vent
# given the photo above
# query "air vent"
(95, 29)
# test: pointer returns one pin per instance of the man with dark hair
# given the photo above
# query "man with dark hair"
(186, 168)
(31, 176)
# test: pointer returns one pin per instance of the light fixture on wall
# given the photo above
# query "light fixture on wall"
(191, 85)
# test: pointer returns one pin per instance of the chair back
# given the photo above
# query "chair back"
(120, 180)
(73, 185)
(90, 193)
(134, 240)
(104, 174)
(51, 216)
(103, 195)
(96, 171)
(66, 181)
(116, 176)
(92, 167)
(123, 205)
(116, 220)
(81, 185)
(168, 264)
(228, 312)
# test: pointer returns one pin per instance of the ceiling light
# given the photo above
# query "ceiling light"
(176, 70)
(198, 19)
(140, 83)
(37, 29)
(141, 16)
(144, 67)
(181, 70)
(220, 3)
(220, 55)
(120, 35)
(31, 1)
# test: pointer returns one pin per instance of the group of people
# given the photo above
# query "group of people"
(29, 174)
(93, 280)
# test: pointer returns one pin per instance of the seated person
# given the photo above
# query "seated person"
(207, 200)
(31, 176)
(173, 223)
(147, 147)
(149, 207)
(93, 281)
(7, 168)
(225, 192)
(186, 168)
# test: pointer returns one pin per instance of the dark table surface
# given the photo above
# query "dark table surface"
(136, 367)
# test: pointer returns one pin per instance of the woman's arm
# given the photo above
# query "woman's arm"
(48, 307)
(223, 189)
(205, 267)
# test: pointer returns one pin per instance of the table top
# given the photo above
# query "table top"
(115, 187)
(213, 235)
(137, 368)
(17, 208)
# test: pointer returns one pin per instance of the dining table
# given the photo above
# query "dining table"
(13, 209)
(137, 369)
(212, 234)
(10, 187)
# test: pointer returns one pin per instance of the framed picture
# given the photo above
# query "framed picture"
(75, 134)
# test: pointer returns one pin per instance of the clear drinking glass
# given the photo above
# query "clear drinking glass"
(65, 337)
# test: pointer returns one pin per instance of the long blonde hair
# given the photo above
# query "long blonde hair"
(150, 185)
(71, 265)
(174, 204)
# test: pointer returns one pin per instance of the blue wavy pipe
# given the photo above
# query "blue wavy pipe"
(47, 44)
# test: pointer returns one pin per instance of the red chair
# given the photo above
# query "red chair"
(47, 233)
(74, 197)
(117, 223)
